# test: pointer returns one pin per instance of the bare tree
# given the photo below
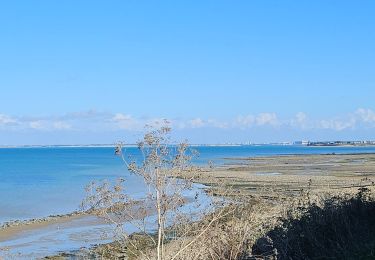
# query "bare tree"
(167, 172)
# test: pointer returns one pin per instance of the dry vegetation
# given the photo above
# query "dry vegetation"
(164, 213)
(338, 227)
(311, 225)
(282, 207)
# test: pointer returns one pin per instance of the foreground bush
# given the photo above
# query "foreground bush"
(342, 228)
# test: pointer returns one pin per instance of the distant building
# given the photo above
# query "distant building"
(303, 142)
(342, 143)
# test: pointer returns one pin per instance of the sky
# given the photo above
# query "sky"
(81, 72)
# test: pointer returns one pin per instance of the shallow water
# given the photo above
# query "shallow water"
(268, 173)
(55, 238)
(82, 232)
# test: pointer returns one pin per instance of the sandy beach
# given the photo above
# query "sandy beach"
(13, 229)
(39, 238)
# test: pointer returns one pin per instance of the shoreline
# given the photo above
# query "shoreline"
(292, 154)
(10, 229)
(191, 145)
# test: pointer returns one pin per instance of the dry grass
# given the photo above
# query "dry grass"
(331, 225)
(339, 227)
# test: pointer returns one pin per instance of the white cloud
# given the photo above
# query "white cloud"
(336, 125)
(46, 125)
(301, 117)
(300, 120)
(37, 125)
(196, 123)
(127, 122)
(121, 117)
(218, 124)
(267, 119)
(62, 125)
(5, 120)
(99, 121)
(262, 119)
(245, 121)
(360, 118)
(366, 115)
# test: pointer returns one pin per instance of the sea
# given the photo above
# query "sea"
(41, 181)
(37, 182)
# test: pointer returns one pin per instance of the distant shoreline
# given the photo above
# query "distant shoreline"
(191, 145)
(61, 146)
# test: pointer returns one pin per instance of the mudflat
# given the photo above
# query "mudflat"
(289, 174)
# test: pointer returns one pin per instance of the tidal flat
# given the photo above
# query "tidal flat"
(272, 178)
(287, 175)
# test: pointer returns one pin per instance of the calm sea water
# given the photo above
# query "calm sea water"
(37, 182)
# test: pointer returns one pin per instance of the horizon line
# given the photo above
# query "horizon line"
(297, 143)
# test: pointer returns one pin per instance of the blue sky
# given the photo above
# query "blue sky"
(220, 71)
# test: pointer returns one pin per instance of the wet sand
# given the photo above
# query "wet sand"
(15, 228)
(290, 174)
(42, 238)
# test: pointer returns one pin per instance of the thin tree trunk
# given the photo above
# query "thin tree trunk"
(160, 226)
(159, 233)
